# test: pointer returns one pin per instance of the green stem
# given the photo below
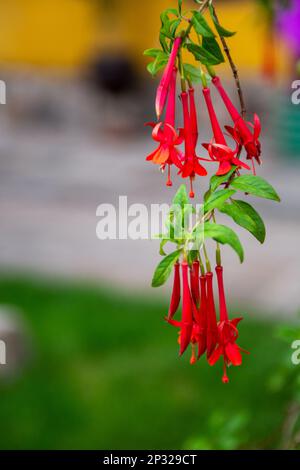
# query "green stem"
(202, 268)
(181, 71)
(211, 70)
(208, 265)
(218, 249)
(203, 79)
(200, 10)
(233, 67)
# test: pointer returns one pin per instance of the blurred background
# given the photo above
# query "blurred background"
(90, 362)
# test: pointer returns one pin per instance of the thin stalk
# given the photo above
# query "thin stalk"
(218, 249)
(200, 10)
(208, 265)
(233, 67)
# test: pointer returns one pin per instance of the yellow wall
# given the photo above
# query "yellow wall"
(64, 33)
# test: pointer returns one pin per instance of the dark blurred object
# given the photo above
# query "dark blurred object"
(114, 74)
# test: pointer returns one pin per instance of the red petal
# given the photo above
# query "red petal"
(257, 127)
(224, 168)
(215, 356)
(237, 162)
(233, 354)
(151, 156)
(175, 323)
(199, 169)
(187, 170)
(236, 321)
(157, 133)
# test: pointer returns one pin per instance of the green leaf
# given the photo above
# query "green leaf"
(203, 55)
(217, 199)
(193, 255)
(200, 25)
(256, 186)
(246, 216)
(216, 181)
(173, 26)
(164, 269)
(163, 43)
(224, 235)
(211, 45)
(160, 61)
(222, 31)
(152, 52)
(181, 197)
(192, 73)
(161, 247)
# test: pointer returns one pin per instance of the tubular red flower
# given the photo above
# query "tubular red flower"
(191, 166)
(163, 88)
(219, 150)
(175, 298)
(222, 299)
(227, 334)
(193, 117)
(218, 134)
(194, 276)
(250, 140)
(202, 339)
(187, 313)
(166, 135)
(212, 330)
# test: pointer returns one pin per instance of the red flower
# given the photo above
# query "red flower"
(163, 88)
(202, 340)
(189, 329)
(241, 131)
(187, 311)
(194, 276)
(227, 334)
(175, 298)
(193, 116)
(166, 135)
(219, 150)
(200, 317)
(212, 330)
(191, 166)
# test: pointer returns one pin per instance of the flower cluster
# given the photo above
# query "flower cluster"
(188, 163)
(198, 326)
(207, 330)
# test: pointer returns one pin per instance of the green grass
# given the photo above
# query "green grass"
(105, 373)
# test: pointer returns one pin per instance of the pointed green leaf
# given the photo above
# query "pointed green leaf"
(256, 186)
(202, 55)
(181, 197)
(211, 45)
(161, 247)
(164, 269)
(160, 61)
(152, 52)
(192, 73)
(247, 217)
(222, 31)
(201, 26)
(224, 235)
(217, 199)
(216, 181)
